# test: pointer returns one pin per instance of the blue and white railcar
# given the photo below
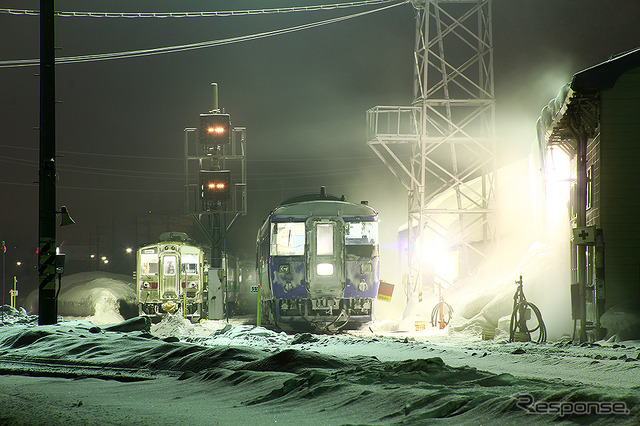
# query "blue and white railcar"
(318, 263)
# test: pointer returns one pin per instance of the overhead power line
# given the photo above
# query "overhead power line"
(211, 14)
(192, 46)
(259, 189)
(146, 174)
(292, 160)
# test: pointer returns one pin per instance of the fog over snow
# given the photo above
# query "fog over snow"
(83, 371)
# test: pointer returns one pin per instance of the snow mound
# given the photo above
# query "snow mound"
(10, 315)
(217, 333)
(246, 335)
(101, 297)
(295, 361)
(174, 325)
(488, 308)
(622, 322)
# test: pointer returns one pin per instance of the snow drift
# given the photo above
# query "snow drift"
(231, 373)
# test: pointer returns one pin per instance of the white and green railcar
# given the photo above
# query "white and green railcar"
(170, 278)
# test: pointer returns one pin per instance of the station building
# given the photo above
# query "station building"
(595, 121)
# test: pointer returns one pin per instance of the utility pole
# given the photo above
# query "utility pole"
(48, 303)
(4, 255)
(449, 131)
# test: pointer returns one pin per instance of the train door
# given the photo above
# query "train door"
(170, 280)
(325, 258)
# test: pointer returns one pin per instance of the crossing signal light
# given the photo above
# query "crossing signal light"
(215, 185)
(215, 130)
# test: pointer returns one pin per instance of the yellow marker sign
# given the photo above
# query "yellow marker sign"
(385, 291)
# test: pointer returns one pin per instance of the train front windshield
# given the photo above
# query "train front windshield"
(149, 262)
(287, 238)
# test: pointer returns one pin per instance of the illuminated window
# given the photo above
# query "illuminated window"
(361, 233)
(324, 239)
(190, 264)
(287, 239)
(589, 189)
(148, 263)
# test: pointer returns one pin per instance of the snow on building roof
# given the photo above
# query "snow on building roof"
(552, 124)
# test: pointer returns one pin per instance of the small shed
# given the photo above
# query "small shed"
(595, 119)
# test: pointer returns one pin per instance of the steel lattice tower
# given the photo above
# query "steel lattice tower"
(444, 144)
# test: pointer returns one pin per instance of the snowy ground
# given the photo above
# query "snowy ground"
(216, 372)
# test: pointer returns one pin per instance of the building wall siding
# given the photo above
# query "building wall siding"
(593, 166)
(619, 188)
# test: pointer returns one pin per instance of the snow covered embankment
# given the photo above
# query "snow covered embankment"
(263, 371)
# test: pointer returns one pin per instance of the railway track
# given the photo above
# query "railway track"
(42, 367)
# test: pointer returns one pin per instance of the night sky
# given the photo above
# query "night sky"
(301, 96)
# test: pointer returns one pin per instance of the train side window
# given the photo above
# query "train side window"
(324, 239)
(190, 268)
(190, 264)
(287, 238)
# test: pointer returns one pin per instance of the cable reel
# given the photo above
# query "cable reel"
(519, 330)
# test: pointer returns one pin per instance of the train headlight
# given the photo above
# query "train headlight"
(149, 286)
(365, 268)
(362, 285)
(324, 269)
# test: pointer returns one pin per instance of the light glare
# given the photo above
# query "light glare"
(324, 269)
(219, 130)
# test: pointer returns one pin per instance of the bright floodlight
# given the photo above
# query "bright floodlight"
(559, 175)
(434, 254)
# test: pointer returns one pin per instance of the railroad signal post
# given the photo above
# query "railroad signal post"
(215, 184)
